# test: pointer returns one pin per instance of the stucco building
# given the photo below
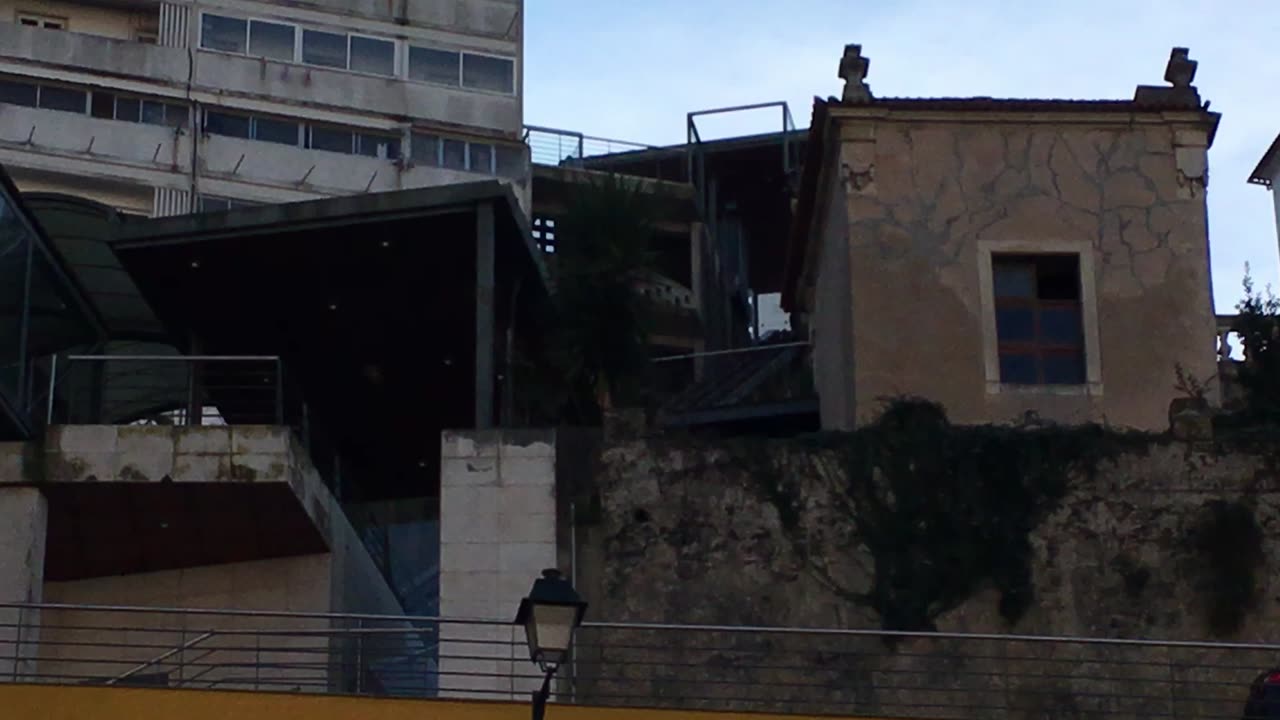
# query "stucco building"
(161, 108)
(1006, 256)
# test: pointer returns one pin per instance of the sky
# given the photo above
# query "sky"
(632, 69)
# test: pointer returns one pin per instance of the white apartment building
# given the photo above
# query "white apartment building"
(164, 108)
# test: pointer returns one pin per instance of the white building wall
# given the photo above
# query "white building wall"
(497, 533)
(99, 51)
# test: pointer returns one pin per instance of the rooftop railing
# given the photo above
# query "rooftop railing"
(550, 146)
(940, 676)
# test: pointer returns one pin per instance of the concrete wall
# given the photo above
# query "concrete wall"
(832, 333)
(497, 533)
(929, 199)
(23, 522)
(72, 640)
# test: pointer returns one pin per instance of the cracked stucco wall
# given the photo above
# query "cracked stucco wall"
(923, 194)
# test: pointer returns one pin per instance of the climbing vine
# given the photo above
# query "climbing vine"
(946, 509)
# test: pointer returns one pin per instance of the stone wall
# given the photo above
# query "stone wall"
(1148, 538)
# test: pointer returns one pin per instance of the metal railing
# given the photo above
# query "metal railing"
(167, 390)
(941, 676)
(567, 148)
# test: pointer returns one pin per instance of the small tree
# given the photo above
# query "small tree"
(594, 345)
(1259, 328)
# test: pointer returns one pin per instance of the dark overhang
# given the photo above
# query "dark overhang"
(388, 311)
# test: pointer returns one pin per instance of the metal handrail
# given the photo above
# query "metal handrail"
(838, 671)
(675, 627)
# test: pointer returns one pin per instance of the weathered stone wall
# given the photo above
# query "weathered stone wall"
(770, 533)
(930, 198)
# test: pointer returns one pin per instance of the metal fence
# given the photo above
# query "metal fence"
(167, 390)
(939, 676)
(549, 146)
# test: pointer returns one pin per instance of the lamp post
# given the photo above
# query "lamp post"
(550, 615)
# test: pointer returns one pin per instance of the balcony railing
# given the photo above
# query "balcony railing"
(812, 671)
(168, 390)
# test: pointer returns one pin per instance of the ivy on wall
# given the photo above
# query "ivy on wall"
(944, 510)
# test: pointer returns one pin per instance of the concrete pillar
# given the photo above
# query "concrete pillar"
(24, 516)
(497, 533)
(485, 283)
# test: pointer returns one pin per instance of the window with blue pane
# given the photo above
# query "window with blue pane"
(1039, 323)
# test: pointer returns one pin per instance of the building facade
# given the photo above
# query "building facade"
(1006, 257)
(163, 108)
(1267, 174)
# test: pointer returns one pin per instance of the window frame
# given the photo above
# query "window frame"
(462, 74)
(988, 253)
(1037, 346)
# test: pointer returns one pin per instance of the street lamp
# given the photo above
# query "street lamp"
(550, 615)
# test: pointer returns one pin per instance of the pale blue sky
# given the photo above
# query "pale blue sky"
(632, 69)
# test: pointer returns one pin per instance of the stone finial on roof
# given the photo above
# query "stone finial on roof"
(853, 69)
(1181, 70)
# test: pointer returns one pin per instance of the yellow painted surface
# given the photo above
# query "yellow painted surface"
(53, 702)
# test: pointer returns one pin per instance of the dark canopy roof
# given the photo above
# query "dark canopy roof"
(373, 303)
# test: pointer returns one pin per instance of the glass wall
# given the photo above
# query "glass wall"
(40, 314)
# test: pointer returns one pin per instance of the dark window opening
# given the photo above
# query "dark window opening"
(17, 93)
(217, 123)
(60, 98)
(331, 139)
(455, 155)
(1039, 322)
(282, 132)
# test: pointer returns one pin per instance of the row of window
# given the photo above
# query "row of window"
(358, 53)
(428, 150)
(99, 104)
(348, 141)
